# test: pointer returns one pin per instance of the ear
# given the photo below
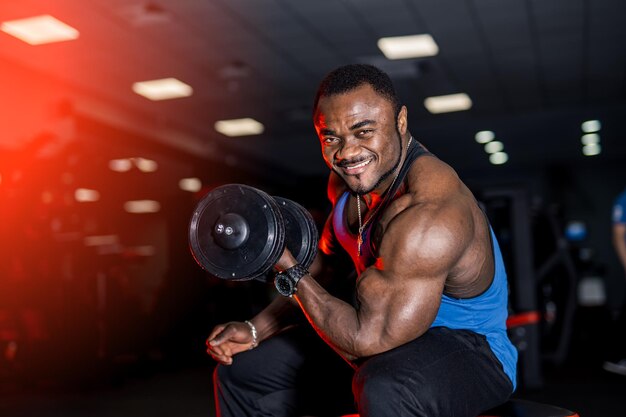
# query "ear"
(402, 121)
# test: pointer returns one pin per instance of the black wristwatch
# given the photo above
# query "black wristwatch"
(287, 280)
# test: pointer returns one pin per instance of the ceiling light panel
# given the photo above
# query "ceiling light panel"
(590, 139)
(239, 127)
(145, 165)
(592, 149)
(142, 206)
(494, 147)
(591, 126)
(39, 30)
(192, 184)
(162, 89)
(448, 103)
(120, 165)
(498, 158)
(484, 136)
(100, 240)
(412, 46)
(86, 195)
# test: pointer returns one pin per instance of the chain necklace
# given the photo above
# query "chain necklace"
(362, 225)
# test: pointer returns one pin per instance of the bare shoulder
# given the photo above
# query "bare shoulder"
(432, 225)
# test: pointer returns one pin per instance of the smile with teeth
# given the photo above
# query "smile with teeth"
(352, 169)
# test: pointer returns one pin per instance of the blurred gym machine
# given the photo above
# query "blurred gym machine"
(542, 279)
(508, 210)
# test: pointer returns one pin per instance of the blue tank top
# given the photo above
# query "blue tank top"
(485, 314)
(619, 209)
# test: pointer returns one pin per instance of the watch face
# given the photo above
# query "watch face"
(283, 284)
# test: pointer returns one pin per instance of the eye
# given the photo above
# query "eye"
(329, 140)
(365, 132)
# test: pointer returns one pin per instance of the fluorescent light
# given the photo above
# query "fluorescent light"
(498, 158)
(162, 89)
(590, 139)
(126, 164)
(591, 126)
(239, 127)
(101, 240)
(592, 149)
(39, 30)
(484, 136)
(144, 250)
(85, 195)
(494, 147)
(412, 46)
(142, 206)
(190, 184)
(448, 103)
(120, 165)
(146, 165)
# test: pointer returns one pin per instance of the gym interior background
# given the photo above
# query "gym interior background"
(104, 312)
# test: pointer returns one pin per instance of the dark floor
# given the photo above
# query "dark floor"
(589, 391)
(160, 390)
(178, 382)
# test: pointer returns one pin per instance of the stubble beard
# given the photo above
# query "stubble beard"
(360, 190)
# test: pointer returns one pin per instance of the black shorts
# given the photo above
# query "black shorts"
(442, 373)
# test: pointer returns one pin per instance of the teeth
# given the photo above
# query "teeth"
(362, 164)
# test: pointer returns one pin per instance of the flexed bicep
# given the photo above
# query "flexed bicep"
(392, 310)
(399, 296)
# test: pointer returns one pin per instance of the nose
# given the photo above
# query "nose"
(349, 151)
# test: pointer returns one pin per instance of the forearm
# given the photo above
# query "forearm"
(278, 315)
(336, 321)
(388, 314)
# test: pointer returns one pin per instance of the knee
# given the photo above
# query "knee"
(374, 389)
(382, 391)
(379, 386)
(228, 375)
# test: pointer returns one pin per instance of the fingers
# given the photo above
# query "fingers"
(216, 330)
(223, 342)
(213, 346)
(221, 354)
(286, 260)
(227, 332)
(221, 357)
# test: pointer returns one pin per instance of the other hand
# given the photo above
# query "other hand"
(227, 340)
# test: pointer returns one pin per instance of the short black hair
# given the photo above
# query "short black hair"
(348, 77)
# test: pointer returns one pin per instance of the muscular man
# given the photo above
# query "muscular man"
(425, 332)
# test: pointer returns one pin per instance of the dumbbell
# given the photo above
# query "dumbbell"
(238, 232)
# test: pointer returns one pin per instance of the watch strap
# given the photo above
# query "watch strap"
(294, 275)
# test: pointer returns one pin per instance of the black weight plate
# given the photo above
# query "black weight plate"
(242, 207)
(312, 248)
(301, 235)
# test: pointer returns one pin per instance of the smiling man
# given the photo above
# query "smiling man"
(424, 333)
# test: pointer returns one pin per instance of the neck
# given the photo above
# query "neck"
(375, 201)
(373, 198)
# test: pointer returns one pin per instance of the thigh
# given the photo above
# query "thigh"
(444, 372)
(294, 369)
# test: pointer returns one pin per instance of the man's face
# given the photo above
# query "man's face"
(360, 137)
